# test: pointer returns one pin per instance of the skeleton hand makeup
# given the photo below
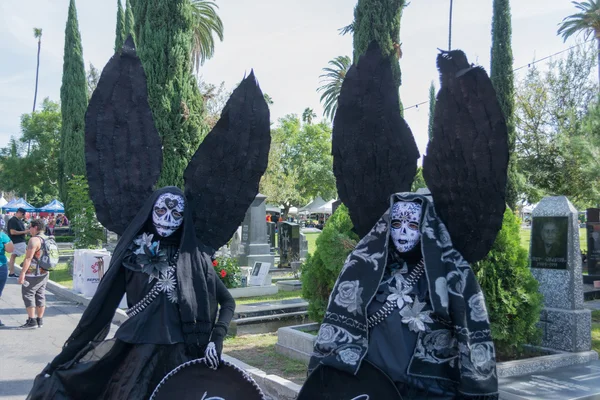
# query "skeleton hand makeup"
(167, 214)
(406, 219)
(212, 358)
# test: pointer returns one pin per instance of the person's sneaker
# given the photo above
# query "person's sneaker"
(40, 322)
(30, 324)
(13, 275)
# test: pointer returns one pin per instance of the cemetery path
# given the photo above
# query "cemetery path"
(24, 353)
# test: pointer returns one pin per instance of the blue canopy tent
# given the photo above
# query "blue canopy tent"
(20, 203)
(54, 206)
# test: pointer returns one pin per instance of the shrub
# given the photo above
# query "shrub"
(322, 268)
(64, 239)
(511, 291)
(228, 270)
(86, 228)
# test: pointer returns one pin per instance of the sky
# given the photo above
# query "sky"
(286, 42)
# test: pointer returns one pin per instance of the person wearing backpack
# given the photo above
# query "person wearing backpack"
(33, 277)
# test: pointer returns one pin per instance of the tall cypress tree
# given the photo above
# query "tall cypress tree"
(129, 20)
(164, 43)
(74, 101)
(379, 20)
(504, 82)
(432, 101)
(120, 31)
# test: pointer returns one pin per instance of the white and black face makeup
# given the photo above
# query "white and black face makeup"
(406, 218)
(167, 214)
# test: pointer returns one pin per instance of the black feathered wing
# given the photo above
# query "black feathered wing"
(123, 150)
(222, 178)
(374, 152)
(467, 159)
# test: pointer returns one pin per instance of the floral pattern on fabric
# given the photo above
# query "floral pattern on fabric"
(437, 347)
(348, 296)
(415, 317)
(479, 359)
(167, 283)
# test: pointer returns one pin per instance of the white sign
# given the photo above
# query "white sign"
(260, 271)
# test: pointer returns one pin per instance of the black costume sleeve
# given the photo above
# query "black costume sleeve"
(226, 306)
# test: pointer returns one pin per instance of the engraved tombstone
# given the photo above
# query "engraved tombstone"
(289, 243)
(556, 264)
(593, 241)
(254, 234)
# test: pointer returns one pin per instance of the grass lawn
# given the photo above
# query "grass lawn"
(283, 295)
(312, 239)
(596, 330)
(526, 238)
(259, 351)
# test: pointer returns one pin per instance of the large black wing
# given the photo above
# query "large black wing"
(123, 150)
(467, 159)
(222, 178)
(374, 152)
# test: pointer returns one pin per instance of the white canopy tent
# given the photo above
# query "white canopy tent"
(325, 208)
(313, 205)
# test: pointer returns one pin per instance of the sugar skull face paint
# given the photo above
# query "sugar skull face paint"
(167, 214)
(406, 218)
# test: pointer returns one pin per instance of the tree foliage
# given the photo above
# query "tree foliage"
(503, 79)
(432, 101)
(300, 163)
(321, 269)
(165, 50)
(89, 233)
(206, 23)
(379, 20)
(557, 140)
(511, 292)
(331, 84)
(120, 29)
(74, 101)
(129, 21)
(93, 76)
(34, 175)
(214, 98)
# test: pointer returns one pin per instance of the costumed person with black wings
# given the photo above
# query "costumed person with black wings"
(407, 318)
(179, 310)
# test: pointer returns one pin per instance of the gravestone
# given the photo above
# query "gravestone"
(236, 247)
(593, 241)
(303, 247)
(556, 264)
(289, 243)
(271, 234)
(254, 234)
(566, 383)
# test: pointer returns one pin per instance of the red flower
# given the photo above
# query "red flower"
(215, 263)
(223, 273)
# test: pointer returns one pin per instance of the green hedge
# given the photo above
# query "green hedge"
(322, 268)
(64, 239)
(511, 291)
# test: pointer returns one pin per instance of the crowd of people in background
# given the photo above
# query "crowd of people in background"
(32, 278)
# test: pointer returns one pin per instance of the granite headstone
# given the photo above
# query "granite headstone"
(271, 235)
(289, 243)
(556, 264)
(254, 234)
(593, 241)
(303, 247)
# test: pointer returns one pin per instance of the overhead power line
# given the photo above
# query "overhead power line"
(528, 65)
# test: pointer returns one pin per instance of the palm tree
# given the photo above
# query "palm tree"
(206, 22)
(308, 115)
(37, 33)
(332, 84)
(587, 21)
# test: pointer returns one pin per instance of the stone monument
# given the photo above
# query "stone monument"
(556, 263)
(271, 235)
(593, 241)
(289, 243)
(254, 235)
(303, 247)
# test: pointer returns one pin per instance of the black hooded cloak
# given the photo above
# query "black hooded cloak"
(150, 343)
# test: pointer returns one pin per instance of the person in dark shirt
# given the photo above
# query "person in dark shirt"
(16, 232)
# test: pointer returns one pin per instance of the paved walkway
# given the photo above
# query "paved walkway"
(24, 353)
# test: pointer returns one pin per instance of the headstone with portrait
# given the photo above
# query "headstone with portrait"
(593, 241)
(289, 243)
(259, 275)
(555, 260)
